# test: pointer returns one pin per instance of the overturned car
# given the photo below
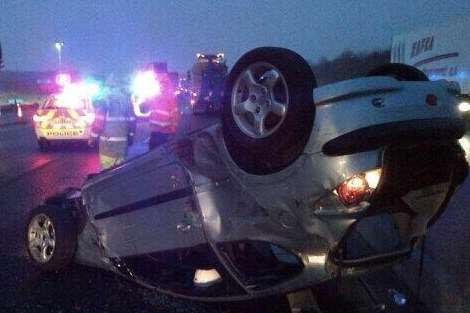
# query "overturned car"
(293, 186)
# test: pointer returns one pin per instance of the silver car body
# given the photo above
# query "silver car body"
(190, 193)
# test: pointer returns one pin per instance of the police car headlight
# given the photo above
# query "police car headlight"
(40, 118)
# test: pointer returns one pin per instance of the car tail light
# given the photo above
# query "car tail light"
(358, 188)
(351, 196)
(431, 99)
(373, 178)
(353, 191)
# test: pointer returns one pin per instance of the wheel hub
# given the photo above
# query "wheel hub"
(41, 238)
(261, 95)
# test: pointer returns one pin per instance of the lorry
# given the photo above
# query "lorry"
(441, 51)
(207, 79)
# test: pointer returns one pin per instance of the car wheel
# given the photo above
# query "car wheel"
(268, 109)
(399, 71)
(43, 144)
(51, 238)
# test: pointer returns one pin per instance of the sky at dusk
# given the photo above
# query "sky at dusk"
(105, 36)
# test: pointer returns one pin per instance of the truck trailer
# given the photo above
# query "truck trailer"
(441, 51)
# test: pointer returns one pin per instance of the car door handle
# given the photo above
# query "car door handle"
(183, 227)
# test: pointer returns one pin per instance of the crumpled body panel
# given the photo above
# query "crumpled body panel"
(187, 207)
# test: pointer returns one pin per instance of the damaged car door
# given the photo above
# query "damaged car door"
(145, 214)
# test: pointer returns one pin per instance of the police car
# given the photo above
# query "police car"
(295, 185)
(63, 118)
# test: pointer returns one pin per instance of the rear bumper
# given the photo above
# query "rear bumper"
(374, 137)
(418, 179)
(364, 114)
(418, 182)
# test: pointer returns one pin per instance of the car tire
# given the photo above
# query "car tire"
(51, 237)
(399, 71)
(269, 132)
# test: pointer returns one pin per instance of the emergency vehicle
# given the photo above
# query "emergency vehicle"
(63, 118)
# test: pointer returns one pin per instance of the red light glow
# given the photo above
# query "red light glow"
(431, 99)
(353, 190)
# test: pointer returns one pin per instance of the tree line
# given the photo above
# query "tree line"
(348, 65)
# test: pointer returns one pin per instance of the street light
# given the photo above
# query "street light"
(58, 46)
